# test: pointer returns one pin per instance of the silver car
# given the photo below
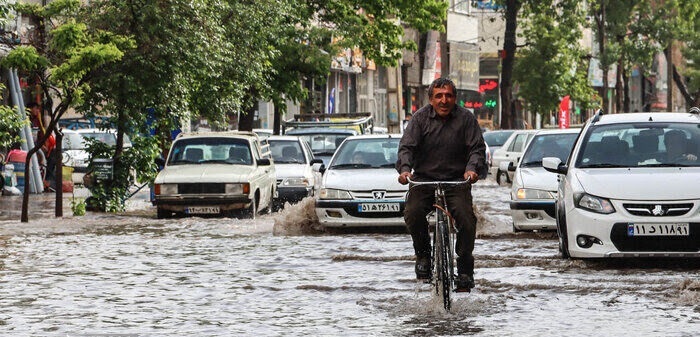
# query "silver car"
(359, 187)
(293, 161)
(534, 188)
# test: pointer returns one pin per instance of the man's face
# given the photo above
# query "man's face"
(443, 100)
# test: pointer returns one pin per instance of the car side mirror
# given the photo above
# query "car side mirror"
(511, 167)
(554, 165)
(316, 161)
(504, 165)
(263, 162)
(319, 167)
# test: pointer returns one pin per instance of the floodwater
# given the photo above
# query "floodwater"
(279, 275)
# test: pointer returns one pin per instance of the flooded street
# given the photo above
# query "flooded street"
(278, 275)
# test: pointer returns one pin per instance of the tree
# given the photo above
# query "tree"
(508, 113)
(65, 62)
(552, 64)
(374, 27)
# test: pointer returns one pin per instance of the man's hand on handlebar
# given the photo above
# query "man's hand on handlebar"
(471, 176)
(404, 177)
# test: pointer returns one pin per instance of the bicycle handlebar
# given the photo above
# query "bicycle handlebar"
(437, 182)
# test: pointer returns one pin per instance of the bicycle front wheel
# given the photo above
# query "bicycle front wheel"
(441, 271)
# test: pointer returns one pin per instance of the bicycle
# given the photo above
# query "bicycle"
(442, 253)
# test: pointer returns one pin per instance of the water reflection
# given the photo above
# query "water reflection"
(283, 275)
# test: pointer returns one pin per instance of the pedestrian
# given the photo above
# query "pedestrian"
(443, 142)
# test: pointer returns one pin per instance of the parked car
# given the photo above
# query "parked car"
(534, 188)
(495, 139)
(74, 141)
(508, 154)
(293, 163)
(630, 196)
(359, 188)
(215, 173)
(323, 141)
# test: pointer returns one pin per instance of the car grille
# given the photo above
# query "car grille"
(375, 194)
(625, 243)
(658, 209)
(201, 188)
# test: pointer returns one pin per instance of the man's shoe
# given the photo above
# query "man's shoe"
(423, 269)
(464, 283)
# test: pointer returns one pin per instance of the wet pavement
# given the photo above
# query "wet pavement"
(281, 275)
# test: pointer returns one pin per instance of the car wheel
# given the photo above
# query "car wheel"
(561, 233)
(252, 210)
(163, 214)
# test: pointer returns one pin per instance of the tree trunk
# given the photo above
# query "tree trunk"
(626, 91)
(619, 87)
(58, 180)
(277, 121)
(508, 113)
(600, 23)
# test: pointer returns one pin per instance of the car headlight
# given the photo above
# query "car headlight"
(329, 193)
(295, 182)
(165, 189)
(528, 193)
(237, 188)
(593, 203)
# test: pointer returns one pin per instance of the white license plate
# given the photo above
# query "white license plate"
(379, 207)
(202, 210)
(667, 229)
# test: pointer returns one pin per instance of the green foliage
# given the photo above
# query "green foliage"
(551, 65)
(25, 58)
(10, 125)
(77, 205)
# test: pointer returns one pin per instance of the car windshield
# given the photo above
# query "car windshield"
(366, 153)
(641, 145)
(107, 137)
(72, 141)
(496, 138)
(287, 152)
(548, 145)
(324, 144)
(210, 150)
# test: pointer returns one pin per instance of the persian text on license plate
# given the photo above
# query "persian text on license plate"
(668, 229)
(379, 207)
(202, 210)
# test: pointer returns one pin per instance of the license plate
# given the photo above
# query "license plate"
(379, 207)
(669, 229)
(202, 210)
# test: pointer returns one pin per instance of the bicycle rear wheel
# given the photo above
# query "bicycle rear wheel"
(441, 257)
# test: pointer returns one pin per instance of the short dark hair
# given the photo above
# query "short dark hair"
(441, 83)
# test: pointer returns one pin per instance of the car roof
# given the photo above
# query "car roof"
(632, 117)
(557, 131)
(232, 134)
(306, 131)
(375, 136)
(283, 137)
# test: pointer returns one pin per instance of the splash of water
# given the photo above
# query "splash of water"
(297, 219)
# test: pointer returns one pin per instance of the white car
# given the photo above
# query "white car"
(215, 173)
(74, 141)
(293, 162)
(509, 154)
(534, 188)
(360, 187)
(631, 187)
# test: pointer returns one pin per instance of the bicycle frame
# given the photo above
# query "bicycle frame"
(443, 241)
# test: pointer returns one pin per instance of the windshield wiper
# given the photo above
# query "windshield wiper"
(220, 161)
(388, 165)
(601, 165)
(350, 165)
(329, 153)
(666, 165)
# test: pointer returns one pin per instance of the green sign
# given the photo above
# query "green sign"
(490, 103)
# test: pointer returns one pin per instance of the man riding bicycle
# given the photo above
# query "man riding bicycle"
(443, 142)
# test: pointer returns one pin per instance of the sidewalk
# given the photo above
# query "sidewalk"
(43, 205)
